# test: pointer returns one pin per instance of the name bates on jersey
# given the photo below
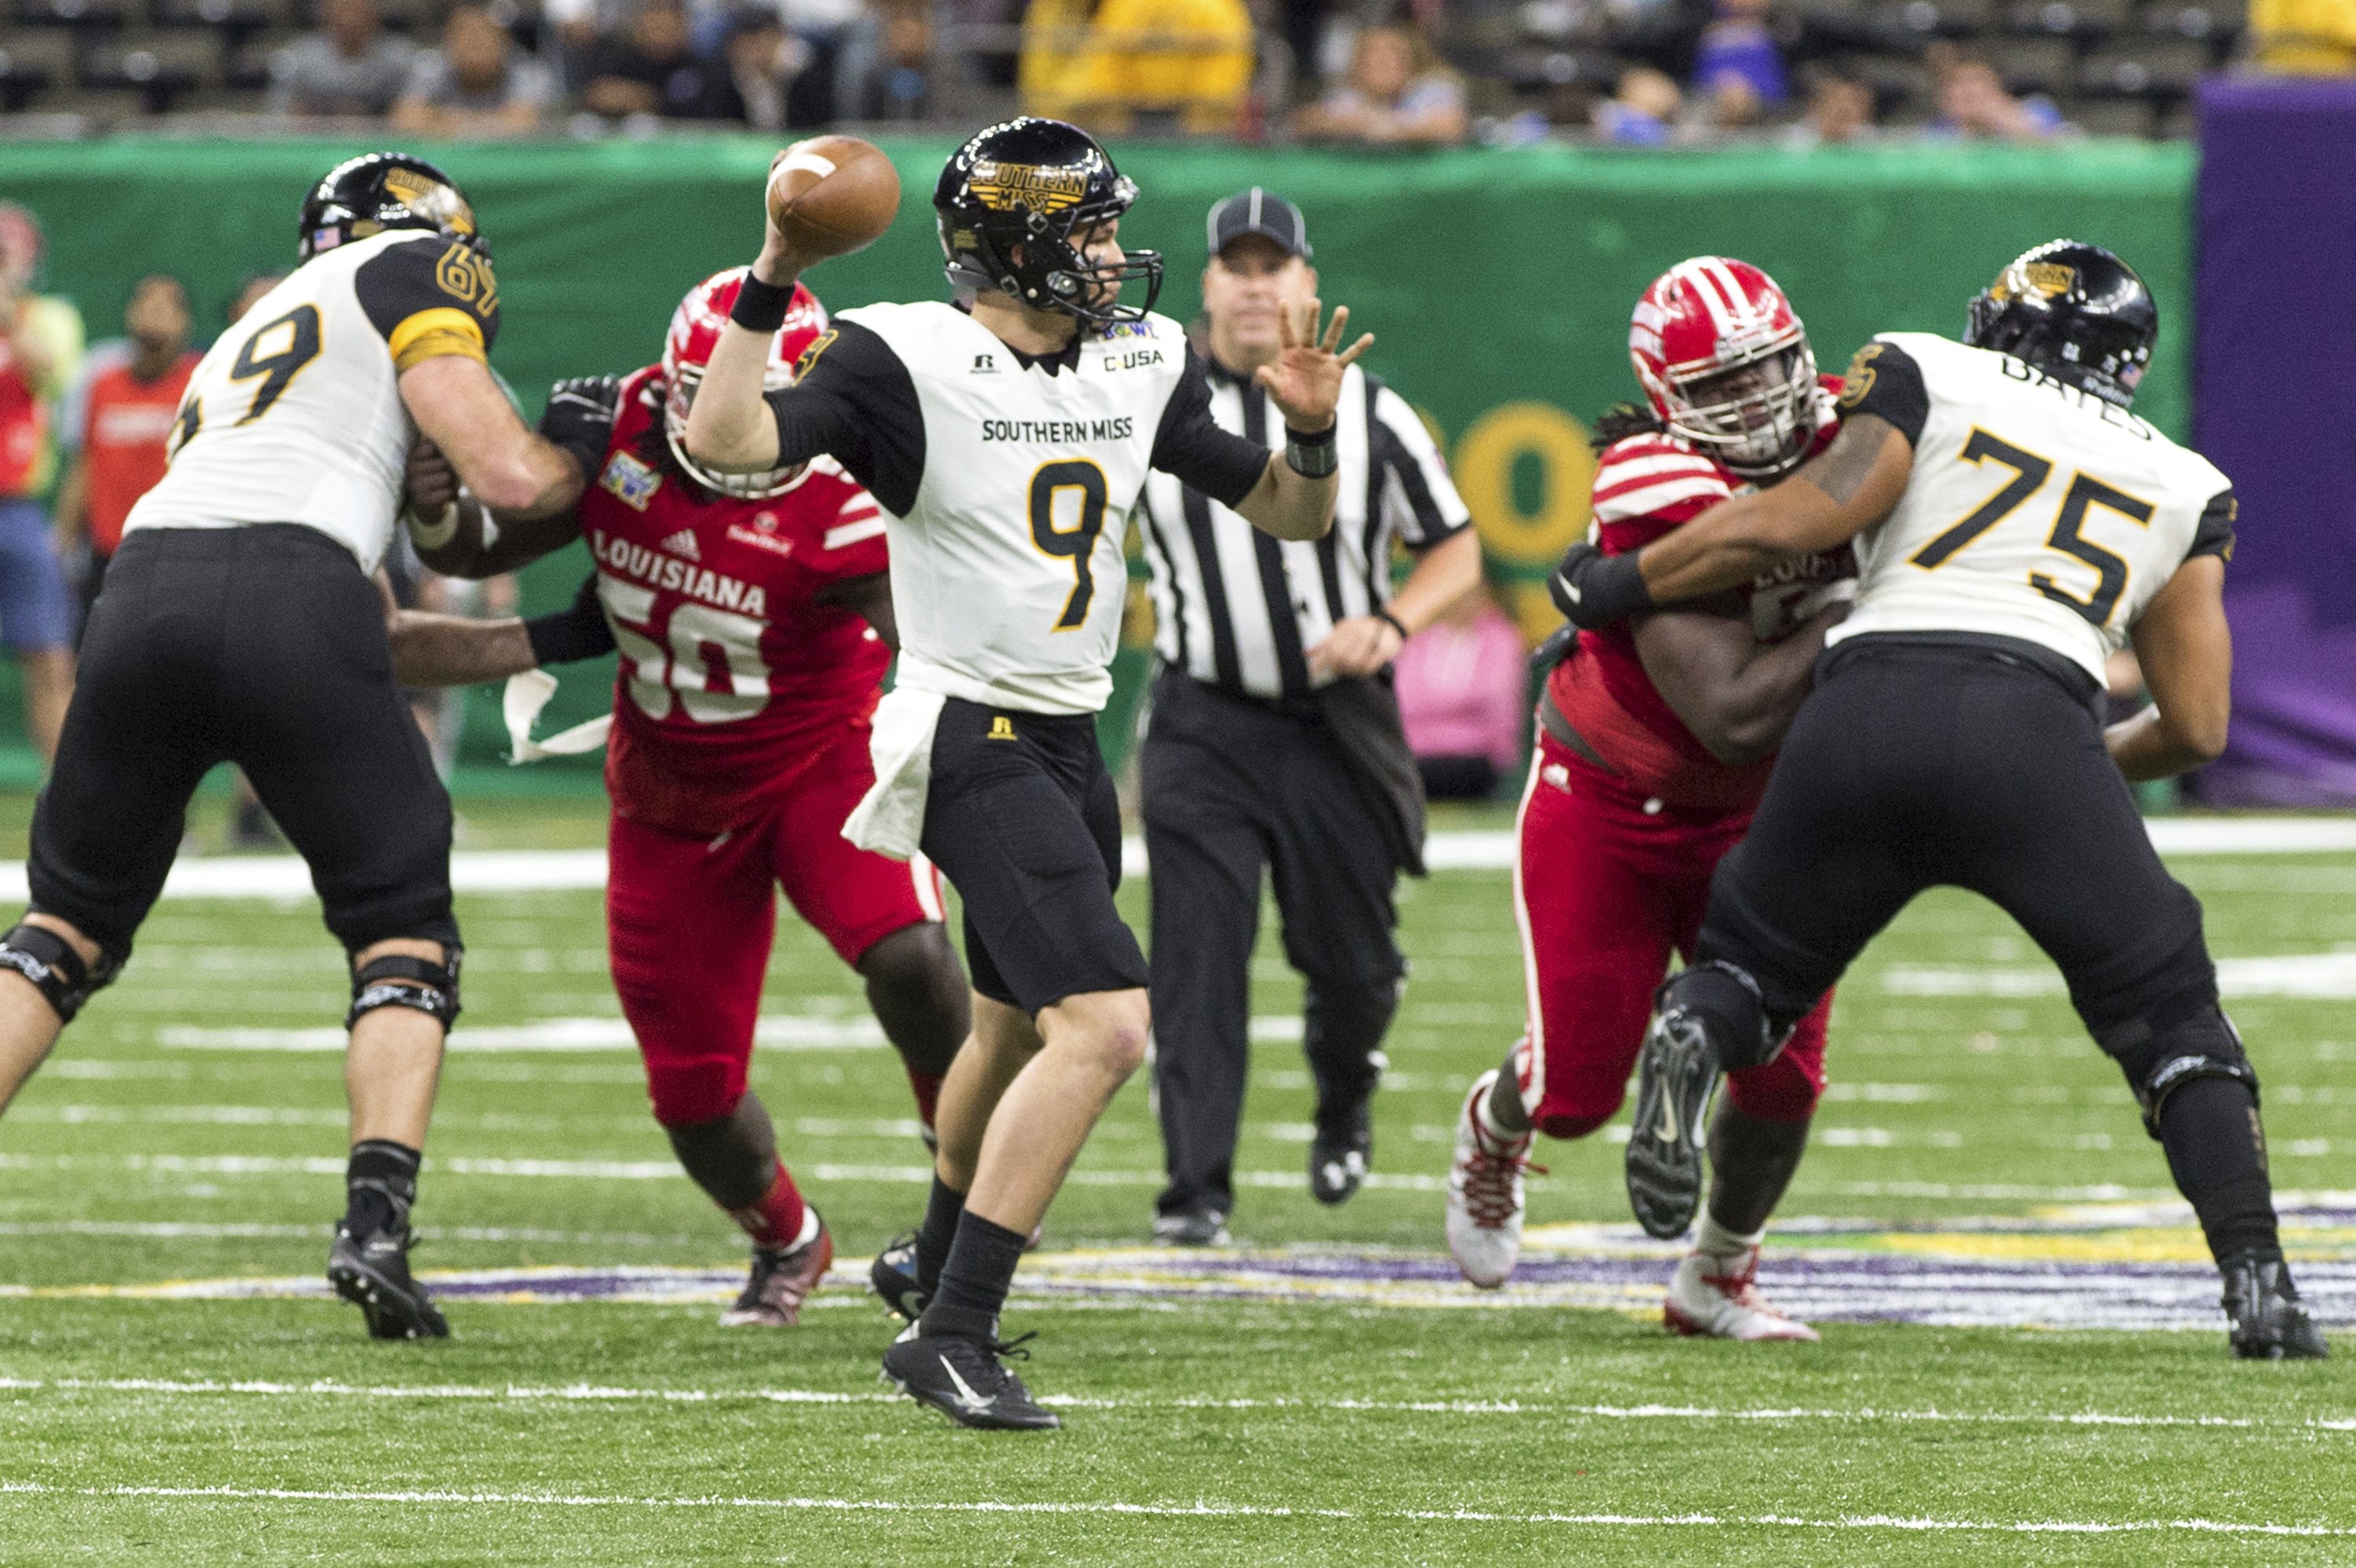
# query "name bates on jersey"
(736, 673)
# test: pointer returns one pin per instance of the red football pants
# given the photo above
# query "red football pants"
(690, 922)
(1606, 890)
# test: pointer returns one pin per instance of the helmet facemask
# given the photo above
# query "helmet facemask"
(680, 382)
(1755, 415)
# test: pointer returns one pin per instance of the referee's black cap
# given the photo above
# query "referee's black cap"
(1260, 212)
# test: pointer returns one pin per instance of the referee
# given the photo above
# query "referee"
(1275, 740)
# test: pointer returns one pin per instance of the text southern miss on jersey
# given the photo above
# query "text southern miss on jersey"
(295, 415)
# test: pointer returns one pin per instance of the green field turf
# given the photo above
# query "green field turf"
(139, 1427)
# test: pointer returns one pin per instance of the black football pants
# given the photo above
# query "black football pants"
(262, 646)
(1231, 787)
(1919, 763)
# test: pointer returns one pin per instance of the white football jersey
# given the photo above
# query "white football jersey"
(1008, 483)
(295, 415)
(2035, 510)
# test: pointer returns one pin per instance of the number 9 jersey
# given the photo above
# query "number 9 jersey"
(2035, 510)
(295, 415)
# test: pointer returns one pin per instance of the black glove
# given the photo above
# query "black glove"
(1593, 588)
(580, 418)
(576, 632)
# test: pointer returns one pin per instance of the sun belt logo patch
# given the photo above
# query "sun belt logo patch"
(630, 480)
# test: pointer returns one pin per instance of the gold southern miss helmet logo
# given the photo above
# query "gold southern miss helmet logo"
(2047, 280)
(430, 199)
(1002, 188)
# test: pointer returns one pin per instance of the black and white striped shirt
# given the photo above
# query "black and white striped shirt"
(1235, 608)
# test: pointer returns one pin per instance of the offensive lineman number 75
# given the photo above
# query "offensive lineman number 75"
(2029, 473)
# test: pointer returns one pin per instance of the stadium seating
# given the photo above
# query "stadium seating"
(2112, 67)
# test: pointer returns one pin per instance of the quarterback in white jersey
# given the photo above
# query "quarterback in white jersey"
(238, 623)
(2015, 523)
(1007, 437)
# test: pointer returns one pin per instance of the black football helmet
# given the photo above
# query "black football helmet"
(378, 191)
(2075, 312)
(1010, 202)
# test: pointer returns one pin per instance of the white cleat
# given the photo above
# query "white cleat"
(1725, 1305)
(1484, 1195)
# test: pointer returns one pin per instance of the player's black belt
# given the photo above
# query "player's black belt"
(1551, 719)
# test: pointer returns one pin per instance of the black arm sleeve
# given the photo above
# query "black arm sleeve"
(853, 400)
(579, 631)
(1884, 380)
(1190, 444)
(2215, 534)
(429, 296)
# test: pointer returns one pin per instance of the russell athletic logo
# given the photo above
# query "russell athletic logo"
(1002, 728)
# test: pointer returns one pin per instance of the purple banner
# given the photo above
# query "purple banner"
(2274, 407)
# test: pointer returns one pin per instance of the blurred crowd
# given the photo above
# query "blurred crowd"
(1378, 72)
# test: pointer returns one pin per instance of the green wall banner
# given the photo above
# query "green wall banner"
(1498, 284)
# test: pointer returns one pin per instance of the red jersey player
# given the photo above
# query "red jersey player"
(753, 614)
(1654, 745)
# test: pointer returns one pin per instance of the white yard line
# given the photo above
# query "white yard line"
(1883, 1523)
(284, 877)
(777, 1031)
(601, 1393)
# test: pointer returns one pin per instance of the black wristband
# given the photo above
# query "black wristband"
(761, 307)
(1614, 591)
(576, 632)
(1313, 456)
(1395, 624)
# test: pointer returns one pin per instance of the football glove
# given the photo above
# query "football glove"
(580, 418)
(1593, 588)
(576, 632)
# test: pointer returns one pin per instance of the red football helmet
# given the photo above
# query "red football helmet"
(687, 348)
(1727, 364)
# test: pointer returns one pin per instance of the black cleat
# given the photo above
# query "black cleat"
(1337, 1156)
(2269, 1321)
(894, 1276)
(1676, 1078)
(964, 1380)
(1193, 1227)
(781, 1281)
(372, 1271)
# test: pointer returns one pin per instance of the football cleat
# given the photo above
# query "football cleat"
(372, 1271)
(2269, 1321)
(1337, 1155)
(1485, 1194)
(781, 1281)
(1676, 1077)
(1193, 1227)
(893, 1277)
(1711, 1300)
(966, 1381)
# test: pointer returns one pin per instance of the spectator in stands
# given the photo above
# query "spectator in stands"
(40, 353)
(2304, 37)
(761, 61)
(1642, 112)
(1464, 693)
(890, 77)
(1738, 70)
(475, 84)
(1972, 102)
(648, 68)
(1105, 64)
(1399, 91)
(116, 423)
(249, 290)
(351, 66)
(1840, 111)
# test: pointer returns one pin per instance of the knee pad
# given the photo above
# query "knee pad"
(2160, 1054)
(398, 980)
(50, 963)
(1726, 1000)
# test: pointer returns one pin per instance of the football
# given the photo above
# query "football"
(832, 195)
